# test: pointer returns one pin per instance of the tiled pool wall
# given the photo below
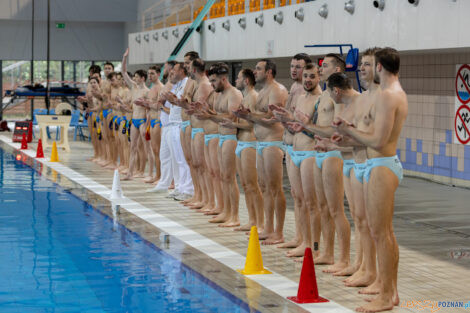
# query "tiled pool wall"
(426, 146)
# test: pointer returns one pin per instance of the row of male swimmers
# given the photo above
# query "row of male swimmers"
(340, 91)
(383, 140)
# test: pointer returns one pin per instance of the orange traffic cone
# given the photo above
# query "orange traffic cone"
(24, 143)
(39, 151)
(308, 290)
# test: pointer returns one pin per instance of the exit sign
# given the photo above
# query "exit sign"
(60, 25)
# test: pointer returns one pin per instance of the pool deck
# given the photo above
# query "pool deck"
(432, 226)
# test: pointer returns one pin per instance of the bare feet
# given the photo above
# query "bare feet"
(215, 211)
(348, 271)
(273, 239)
(297, 252)
(196, 206)
(221, 218)
(138, 175)
(323, 260)
(339, 266)
(246, 227)
(294, 243)
(378, 304)
(373, 289)
(127, 177)
(148, 179)
(230, 223)
(363, 280)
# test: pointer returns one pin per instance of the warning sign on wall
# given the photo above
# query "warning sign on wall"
(462, 105)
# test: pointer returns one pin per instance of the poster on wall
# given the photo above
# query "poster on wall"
(462, 105)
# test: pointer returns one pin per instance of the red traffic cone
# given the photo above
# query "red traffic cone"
(24, 143)
(39, 152)
(308, 290)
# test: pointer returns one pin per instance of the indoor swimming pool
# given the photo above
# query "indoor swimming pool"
(60, 254)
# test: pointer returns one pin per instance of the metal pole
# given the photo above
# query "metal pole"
(32, 57)
(1, 91)
(48, 88)
(62, 73)
(74, 72)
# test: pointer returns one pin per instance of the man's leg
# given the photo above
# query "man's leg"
(185, 138)
(135, 135)
(225, 214)
(332, 174)
(296, 241)
(148, 153)
(273, 170)
(246, 168)
(229, 179)
(212, 161)
(155, 140)
(184, 185)
(198, 170)
(327, 225)
(379, 209)
(311, 203)
(367, 273)
(348, 190)
(302, 216)
(166, 166)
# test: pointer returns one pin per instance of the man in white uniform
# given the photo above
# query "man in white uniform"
(171, 150)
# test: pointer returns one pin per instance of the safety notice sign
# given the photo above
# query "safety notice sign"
(462, 105)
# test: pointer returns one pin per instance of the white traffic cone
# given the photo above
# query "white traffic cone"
(116, 190)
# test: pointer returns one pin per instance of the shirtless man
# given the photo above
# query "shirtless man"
(200, 169)
(302, 157)
(246, 153)
(211, 146)
(229, 100)
(270, 149)
(358, 114)
(328, 173)
(383, 172)
(297, 65)
(153, 117)
(139, 114)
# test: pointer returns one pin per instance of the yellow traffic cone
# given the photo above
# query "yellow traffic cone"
(54, 154)
(254, 260)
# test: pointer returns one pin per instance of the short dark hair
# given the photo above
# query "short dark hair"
(310, 66)
(156, 68)
(270, 65)
(248, 74)
(302, 56)
(94, 69)
(181, 64)
(199, 65)
(339, 80)
(219, 68)
(141, 73)
(389, 58)
(337, 61)
(94, 78)
(111, 75)
(118, 74)
(370, 51)
(171, 63)
(108, 63)
(192, 55)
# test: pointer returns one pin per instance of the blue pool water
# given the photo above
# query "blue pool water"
(58, 254)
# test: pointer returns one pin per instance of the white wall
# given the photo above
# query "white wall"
(94, 30)
(158, 51)
(78, 41)
(433, 24)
